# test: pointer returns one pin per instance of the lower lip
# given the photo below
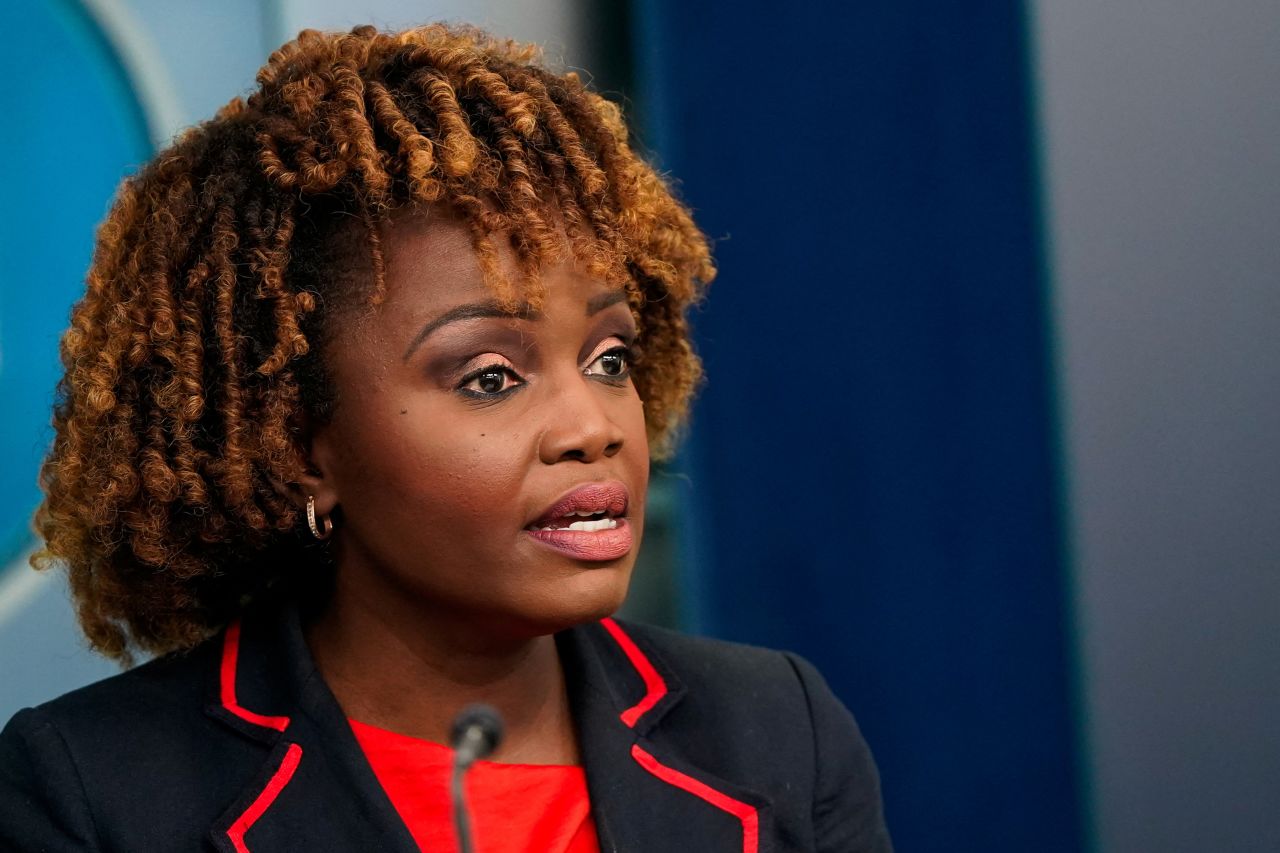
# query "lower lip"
(594, 545)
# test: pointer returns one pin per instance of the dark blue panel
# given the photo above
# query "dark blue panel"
(873, 464)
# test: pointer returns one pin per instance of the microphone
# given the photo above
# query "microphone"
(476, 733)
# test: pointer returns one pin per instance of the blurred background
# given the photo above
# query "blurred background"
(990, 426)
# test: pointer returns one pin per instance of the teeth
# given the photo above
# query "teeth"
(585, 514)
(602, 524)
(588, 526)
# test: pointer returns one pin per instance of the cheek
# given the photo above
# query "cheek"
(411, 473)
(475, 479)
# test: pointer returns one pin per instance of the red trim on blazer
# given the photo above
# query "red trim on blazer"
(264, 800)
(745, 813)
(655, 687)
(230, 653)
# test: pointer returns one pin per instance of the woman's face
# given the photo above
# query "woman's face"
(466, 441)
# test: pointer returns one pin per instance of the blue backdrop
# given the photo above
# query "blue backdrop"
(76, 129)
(873, 462)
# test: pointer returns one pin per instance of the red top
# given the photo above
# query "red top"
(514, 807)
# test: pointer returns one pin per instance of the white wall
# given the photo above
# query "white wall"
(1161, 125)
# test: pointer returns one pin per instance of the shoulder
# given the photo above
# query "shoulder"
(693, 646)
(706, 655)
(757, 713)
(766, 681)
(107, 736)
(125, 719)
(144, 699)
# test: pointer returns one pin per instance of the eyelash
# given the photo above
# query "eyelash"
(627, 352)
(491, 369)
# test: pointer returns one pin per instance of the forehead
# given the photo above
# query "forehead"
(429, 252)
(432, 266)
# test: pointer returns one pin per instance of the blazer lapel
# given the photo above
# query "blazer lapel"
(314, 790)
(646, 795)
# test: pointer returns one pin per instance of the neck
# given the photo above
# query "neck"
(409, 671)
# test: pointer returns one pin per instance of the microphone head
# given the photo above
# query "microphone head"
(478, 727)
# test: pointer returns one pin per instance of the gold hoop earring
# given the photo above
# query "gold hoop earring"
(324, 521)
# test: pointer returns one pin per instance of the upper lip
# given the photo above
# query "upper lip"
(609, 497)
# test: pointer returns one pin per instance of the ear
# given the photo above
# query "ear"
(313, 446)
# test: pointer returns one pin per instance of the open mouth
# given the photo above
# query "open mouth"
(585, 521)
(589, 507)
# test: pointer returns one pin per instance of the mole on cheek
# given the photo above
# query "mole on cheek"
(404, 411)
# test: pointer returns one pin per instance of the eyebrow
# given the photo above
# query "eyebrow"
(464, 312)
(596, 304)
(473, 310)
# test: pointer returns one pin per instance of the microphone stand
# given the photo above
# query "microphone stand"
(476, 733)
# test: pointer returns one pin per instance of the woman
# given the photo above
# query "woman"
(355, 431)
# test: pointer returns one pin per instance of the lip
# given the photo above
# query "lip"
(596, 546)
(609, 497)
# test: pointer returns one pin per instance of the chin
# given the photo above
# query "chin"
(586, 597)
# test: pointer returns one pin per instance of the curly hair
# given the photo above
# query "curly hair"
(219, 270)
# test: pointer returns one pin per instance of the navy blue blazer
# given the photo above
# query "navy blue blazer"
(688, 745)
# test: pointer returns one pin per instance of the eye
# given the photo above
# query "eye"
(491, 381)
(613, 363)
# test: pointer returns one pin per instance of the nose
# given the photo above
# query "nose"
(579, 426)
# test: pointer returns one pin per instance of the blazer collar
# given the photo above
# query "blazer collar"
(315, 789)
(645, 790)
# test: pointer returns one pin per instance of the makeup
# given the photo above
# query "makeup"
(587, 523)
